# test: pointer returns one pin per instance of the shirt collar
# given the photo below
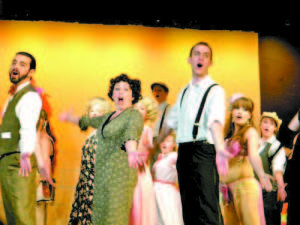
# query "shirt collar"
(205, 82)
(19, 88)
(162, 105)
(269, 140)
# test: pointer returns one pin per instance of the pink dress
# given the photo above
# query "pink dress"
(143, 209)
(167, 196)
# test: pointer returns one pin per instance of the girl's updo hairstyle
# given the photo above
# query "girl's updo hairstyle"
(134, 84)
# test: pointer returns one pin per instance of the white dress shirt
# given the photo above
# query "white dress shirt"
(182, 118)
(28, 111)
(161, 109)
(279, 161)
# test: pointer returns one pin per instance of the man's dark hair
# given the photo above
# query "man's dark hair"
(32, 62)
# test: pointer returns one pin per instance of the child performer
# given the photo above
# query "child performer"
(273, 158)
(242, 192)
(143, 209)
(167, 196)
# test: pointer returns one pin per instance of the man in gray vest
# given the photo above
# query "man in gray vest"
(273, 158)
(18, 132)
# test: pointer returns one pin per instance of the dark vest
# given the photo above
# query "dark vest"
(264, 155)
(10, 127)
(266, 163)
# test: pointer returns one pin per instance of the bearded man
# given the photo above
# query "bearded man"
(18, 134)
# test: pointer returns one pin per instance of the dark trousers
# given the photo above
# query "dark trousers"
(293, 217)
(272, 208)
(198, 180)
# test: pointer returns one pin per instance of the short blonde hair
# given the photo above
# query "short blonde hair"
(151, 108)
(103, 103)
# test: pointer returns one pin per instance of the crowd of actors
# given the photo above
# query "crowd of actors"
(146, 162)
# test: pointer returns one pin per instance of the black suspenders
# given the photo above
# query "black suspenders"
(198, 117)
(275, 153)
(162, 118)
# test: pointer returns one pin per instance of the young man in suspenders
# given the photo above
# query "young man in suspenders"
(273, 158)
(18, 134)
(198, 117)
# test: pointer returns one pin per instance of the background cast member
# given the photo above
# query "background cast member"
(143, 210)
(81, 212)
(273, 158)
(160, 93)
(287, 136)
(167, 196)
(47, 152)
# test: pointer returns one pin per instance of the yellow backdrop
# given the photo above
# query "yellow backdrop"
(76, 61)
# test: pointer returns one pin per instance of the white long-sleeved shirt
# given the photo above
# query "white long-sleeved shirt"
(279, 161)
(182, 118)
(28, 111)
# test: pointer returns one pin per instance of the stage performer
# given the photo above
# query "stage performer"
(242, 194)
(200, 139)
(18, 133)
(117, 158)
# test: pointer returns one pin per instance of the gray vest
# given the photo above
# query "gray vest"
(10, 127)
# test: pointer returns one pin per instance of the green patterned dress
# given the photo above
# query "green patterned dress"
(114, 180)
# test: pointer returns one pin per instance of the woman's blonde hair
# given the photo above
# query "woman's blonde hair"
(151, 108)
(103, 103)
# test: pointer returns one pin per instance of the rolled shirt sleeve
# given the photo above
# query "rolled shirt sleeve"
(172, 114)
(279, 162)
(28, 111)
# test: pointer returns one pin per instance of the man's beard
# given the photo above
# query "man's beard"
(18, 79)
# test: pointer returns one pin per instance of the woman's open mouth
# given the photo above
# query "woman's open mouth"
(120, 100)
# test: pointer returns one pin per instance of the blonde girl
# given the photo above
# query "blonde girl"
(143, 209)
(82, 206)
